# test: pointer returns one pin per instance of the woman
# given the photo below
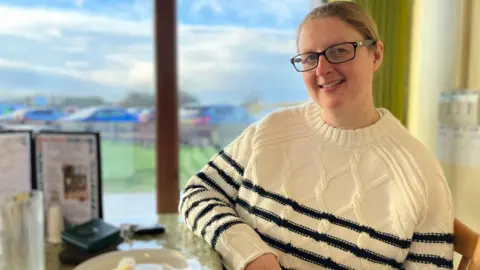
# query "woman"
(334, 183)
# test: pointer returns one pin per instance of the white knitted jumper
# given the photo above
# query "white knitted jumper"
(320, 197)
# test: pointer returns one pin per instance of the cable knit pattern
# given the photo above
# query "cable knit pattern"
(317, 196)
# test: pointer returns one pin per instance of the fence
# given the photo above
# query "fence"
(142, 134)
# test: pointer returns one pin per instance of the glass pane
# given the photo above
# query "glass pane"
(87, 66)
(234, 68)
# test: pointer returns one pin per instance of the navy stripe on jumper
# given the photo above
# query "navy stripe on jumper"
(228, 179)
(301, 253)
(189, 187)
(197, 203)
(221, 229)
(330, 240)
(215, 186)
(434, 238)
(232, 162)
(185, 197)
(387, 238)
(214, 219)
(205, 211)
(430, 259)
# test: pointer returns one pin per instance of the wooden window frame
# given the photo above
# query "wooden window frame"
(165, 35)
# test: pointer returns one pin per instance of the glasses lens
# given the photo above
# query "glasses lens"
(340, 53)
(305, 61)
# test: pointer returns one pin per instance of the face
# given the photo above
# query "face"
(347, 85)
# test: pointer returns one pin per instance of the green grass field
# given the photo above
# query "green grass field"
(130, 168)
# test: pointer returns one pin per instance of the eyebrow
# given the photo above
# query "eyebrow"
(330, 44)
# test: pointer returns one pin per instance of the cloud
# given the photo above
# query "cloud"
(201, 5)
(281, 13)
(224, 55)
(139, 74)
(79, 3)
(47, 24)
(285, 11)
(92, 36)
(117, 53)
(27, 81)
(20, 65)
(77, 64)
(143, 8)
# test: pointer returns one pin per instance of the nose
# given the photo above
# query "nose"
(324, 67)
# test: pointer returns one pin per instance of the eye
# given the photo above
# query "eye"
(311, 57)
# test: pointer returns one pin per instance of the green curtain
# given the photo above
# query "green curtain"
(390, 83)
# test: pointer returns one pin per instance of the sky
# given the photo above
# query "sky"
(227, 49)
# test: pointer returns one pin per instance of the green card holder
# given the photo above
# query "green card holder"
(92, 236)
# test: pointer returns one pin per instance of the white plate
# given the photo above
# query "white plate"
(148, 259)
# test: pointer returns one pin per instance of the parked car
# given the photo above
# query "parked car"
(147, 115)
(113, 122)
(45, 116)
(137, 110)
(70, 110)
(212, 125)
(101, 114)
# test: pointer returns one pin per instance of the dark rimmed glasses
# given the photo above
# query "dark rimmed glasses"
(335, 54)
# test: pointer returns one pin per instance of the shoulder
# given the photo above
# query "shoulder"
(435, 197)
(282, 124)
(413, 150)
(276, 127)
(277, 116)
(403, 145)
(419, 167)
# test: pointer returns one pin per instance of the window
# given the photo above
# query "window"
(233, 58)
(233, 69)
(61, 61)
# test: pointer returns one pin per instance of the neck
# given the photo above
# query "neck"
(347, 118)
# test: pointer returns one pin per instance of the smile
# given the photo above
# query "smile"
(332, 84)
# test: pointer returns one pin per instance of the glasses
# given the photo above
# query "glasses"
(336, 54)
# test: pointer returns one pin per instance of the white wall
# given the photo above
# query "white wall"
(437, 56)
(433, 64)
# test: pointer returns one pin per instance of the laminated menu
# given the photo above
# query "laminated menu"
(16, 163)
(68, 168)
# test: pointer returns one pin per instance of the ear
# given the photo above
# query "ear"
(378, 55)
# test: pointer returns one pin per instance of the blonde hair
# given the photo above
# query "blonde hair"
(350, 13)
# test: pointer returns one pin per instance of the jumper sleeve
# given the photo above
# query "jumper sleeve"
(432, 243)
(207, 205)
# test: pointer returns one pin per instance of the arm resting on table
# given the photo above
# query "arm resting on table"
(208, 205)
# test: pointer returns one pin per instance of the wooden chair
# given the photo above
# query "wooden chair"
(467, 244)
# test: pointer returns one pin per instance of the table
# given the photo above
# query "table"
(176, 236)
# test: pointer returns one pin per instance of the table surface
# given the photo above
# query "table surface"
(176, 237)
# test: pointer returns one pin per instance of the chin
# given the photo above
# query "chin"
(330, 102)
(326, 100)
(331, 105)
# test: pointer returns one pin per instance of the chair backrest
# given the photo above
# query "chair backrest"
(464, 263)
(467, 244)
(471, 257)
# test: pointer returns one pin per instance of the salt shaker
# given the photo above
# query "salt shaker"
(55, 220)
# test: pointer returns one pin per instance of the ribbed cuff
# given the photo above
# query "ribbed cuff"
(240, 245)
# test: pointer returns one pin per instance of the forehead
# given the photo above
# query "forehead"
(318, 34)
